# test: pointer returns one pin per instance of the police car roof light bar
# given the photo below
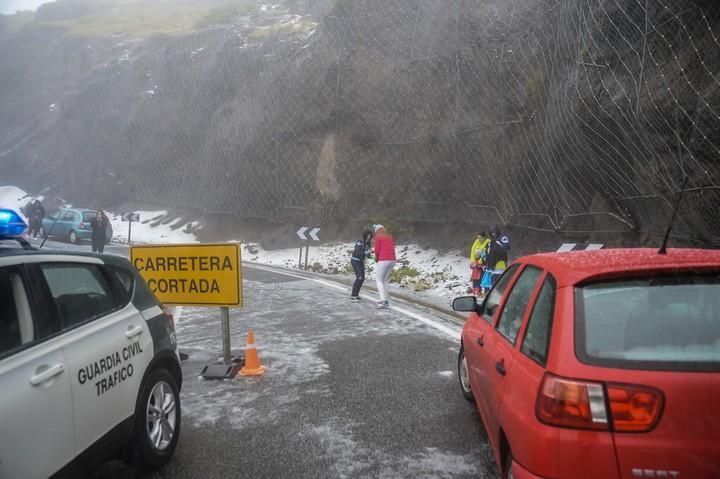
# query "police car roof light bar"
(12, 227)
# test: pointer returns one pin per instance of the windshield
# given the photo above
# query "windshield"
(668, 322)
(88, 216)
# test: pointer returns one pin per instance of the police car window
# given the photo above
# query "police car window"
(68, 216)
(125, 279)
(9, 322)
(122, 283)
(512, 315)
(80, 291)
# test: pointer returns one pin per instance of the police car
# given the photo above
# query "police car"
(88, 362)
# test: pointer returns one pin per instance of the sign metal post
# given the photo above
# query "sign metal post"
(313, 236)
(225, 318)
(130, 217)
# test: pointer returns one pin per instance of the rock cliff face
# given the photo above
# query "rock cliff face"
(562, 115)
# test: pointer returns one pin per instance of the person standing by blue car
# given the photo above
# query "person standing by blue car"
(360, 252)
(98, 225)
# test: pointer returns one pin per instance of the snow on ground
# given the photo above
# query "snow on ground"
(153, 228)
(419, 272)
(424, 273)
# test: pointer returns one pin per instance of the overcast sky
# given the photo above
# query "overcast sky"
(12, 6)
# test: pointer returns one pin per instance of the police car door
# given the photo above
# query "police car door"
(109, 345)
(36, 426)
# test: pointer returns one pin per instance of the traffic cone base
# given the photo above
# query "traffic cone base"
(252, 371)
(252, 362)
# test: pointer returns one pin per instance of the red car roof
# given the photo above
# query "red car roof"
(576, 266)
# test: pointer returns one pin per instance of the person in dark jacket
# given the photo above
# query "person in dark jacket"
(360, 252)
(99, 226)
(497, 252)
(37, 213)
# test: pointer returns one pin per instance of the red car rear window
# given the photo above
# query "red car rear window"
(656, 323)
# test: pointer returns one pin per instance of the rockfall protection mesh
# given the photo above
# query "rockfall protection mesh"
(569, 115)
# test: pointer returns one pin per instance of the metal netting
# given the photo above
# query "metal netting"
(557, 115)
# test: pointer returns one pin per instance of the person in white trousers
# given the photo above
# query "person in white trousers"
(385, 258)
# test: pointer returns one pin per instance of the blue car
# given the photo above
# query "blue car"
(73, 225)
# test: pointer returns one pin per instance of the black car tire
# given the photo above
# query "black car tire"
(145, 454)
(464, 376)
(43, 233)
(73, 237)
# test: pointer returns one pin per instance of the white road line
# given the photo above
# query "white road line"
(455, 334)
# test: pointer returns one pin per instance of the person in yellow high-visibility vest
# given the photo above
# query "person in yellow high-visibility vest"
(481, 243)
(477, 254)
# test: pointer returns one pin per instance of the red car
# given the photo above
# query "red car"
(599, 364)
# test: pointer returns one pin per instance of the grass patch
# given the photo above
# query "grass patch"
(398, 275)
(224, 14)
(303, 25)
(142, 20)
(423, 285)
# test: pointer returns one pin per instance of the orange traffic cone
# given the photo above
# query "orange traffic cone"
(252, 362)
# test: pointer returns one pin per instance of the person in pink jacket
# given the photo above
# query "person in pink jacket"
(385, 258)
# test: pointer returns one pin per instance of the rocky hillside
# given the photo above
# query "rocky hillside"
(564, 115)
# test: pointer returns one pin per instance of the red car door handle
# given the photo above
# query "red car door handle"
(481, 341)
(500, 366)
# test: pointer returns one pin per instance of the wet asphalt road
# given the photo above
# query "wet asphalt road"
(350, 392)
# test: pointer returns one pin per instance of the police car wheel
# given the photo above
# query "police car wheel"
(73, 237)
(157, 421)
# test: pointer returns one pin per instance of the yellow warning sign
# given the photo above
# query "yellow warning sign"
(191, 274)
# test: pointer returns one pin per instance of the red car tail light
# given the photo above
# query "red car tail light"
(634, 408)
(82, 226)
(571, 403)
(581, 404)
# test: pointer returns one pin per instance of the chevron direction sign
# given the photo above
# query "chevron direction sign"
(312, 233)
